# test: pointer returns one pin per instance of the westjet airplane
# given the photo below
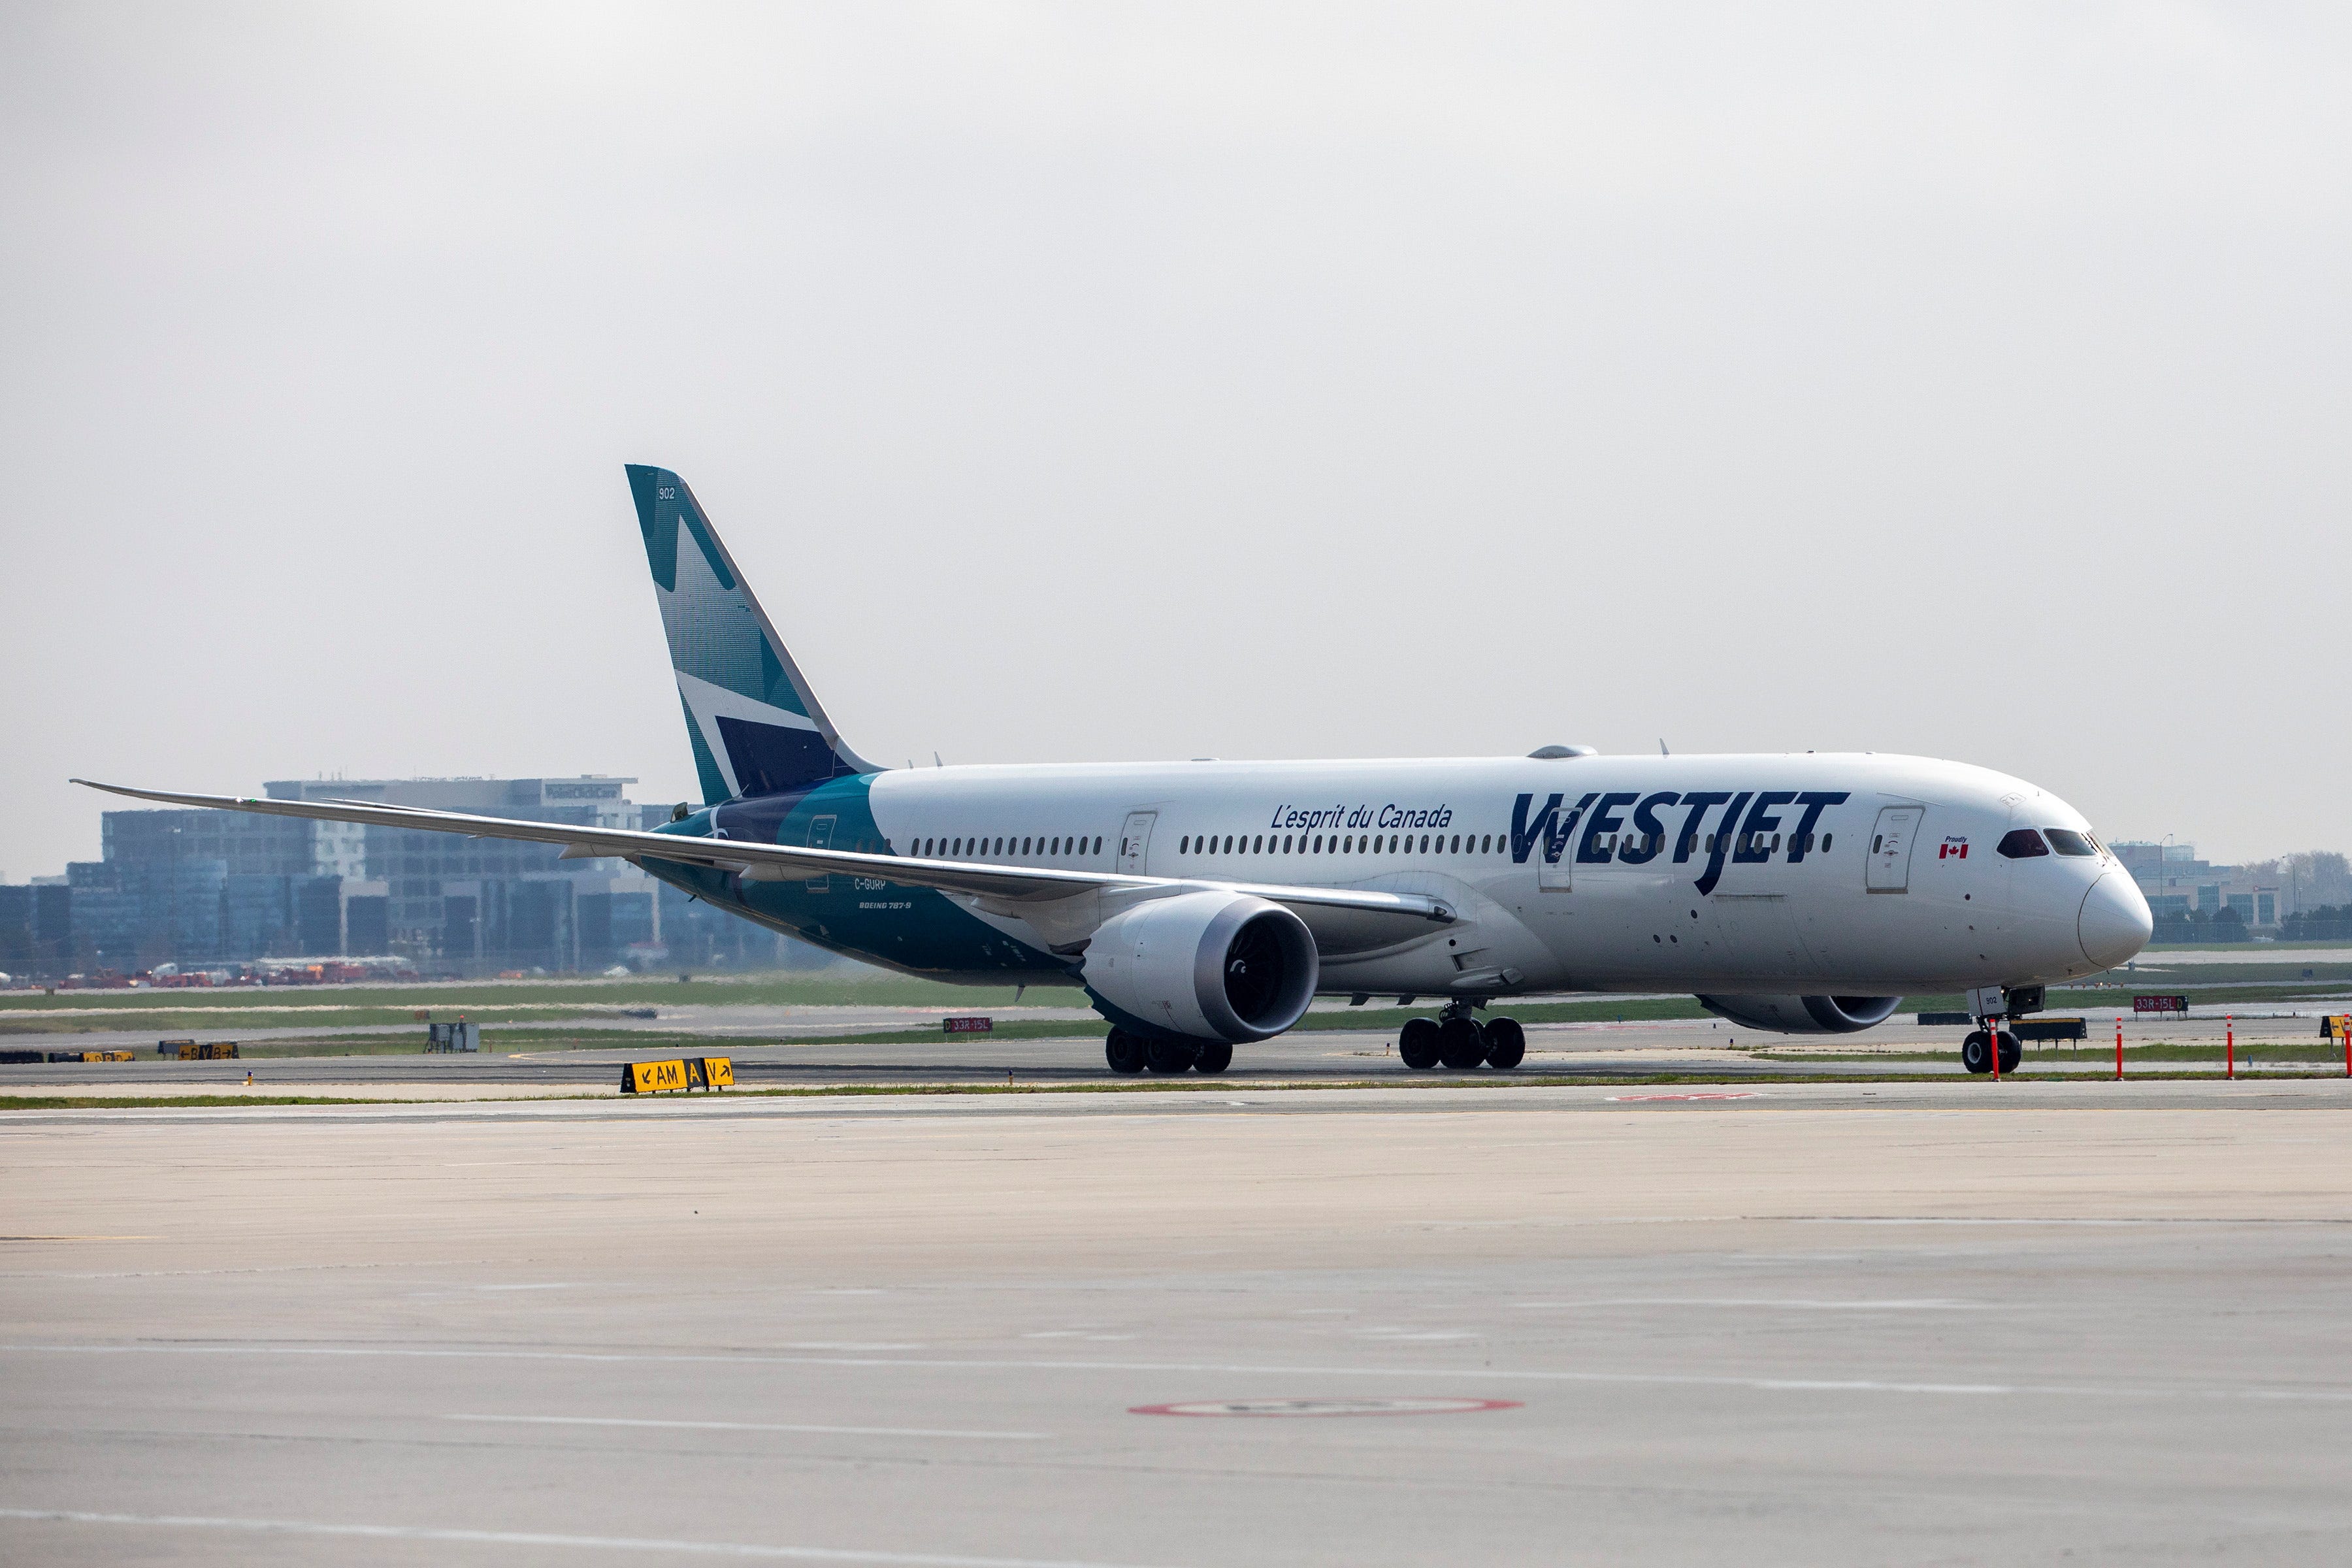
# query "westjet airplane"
(1204, 905)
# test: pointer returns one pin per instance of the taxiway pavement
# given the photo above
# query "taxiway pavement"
(1818, 1323)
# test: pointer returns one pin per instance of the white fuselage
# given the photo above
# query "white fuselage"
(1587, 873)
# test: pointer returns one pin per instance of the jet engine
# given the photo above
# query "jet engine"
(1804, 1015)
(1205, 965)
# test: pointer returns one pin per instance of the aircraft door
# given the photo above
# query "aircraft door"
(1135, 841)
(820, 837)
(1890, 849)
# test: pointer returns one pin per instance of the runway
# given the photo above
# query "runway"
(1820, 1323)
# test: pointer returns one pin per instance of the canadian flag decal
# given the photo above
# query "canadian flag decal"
(1955, 846)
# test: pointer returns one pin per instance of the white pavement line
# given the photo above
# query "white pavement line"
(1897, 1304)
(750, 1427)
(1238, 1369)
(532, 1538)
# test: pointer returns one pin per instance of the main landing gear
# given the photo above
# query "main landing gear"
(1133, 1054)
(1976, 1052)
(1459, 1041)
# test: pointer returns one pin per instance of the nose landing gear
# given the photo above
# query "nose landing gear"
(1976, 1052)
(1456, 1039)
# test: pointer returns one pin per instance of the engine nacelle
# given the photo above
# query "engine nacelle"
(1206, 965)
(1804, 1015)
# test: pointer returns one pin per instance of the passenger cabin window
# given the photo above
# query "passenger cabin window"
(2023, 844)
(2066, 841)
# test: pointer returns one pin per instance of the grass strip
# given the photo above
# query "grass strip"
(155, 1101)
(710, 990)
(2301, 1055)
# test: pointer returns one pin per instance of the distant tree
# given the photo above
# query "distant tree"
(2310, 877)
(2329, 922)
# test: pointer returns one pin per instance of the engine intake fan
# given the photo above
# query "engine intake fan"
(1206, 965)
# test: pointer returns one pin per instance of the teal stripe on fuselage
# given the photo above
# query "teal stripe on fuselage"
(918, 930)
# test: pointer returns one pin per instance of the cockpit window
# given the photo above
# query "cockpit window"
(2066, 841)
(2023, 844)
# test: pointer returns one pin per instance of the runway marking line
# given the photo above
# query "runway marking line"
(535, 1538)
(752, 1427)
(1746, 1303)
(1260, 1408)
(1635, 1379)
(1638, 1098)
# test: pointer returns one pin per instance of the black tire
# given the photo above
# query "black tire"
(1461, 1043)
(1417, 1044)
(1506, 1043)
(1214, 1059)
(1976, 1052)
(1123, 1051)
(1169, 1055)
(2011, 1052)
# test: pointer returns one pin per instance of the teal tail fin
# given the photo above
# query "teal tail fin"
(756, 726)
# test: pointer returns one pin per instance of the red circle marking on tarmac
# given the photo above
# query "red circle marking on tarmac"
(1639, 1097)
(1324, 1407)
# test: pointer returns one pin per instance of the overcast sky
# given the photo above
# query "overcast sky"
(1095, 383)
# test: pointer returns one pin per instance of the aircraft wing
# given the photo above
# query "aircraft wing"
(1014, 885)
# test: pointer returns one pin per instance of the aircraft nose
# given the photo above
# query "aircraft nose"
(2115, 923)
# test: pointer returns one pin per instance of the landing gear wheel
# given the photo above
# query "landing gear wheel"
(1169, 1055)
(2011, 1052)
(1214, 1059)
(1506, 1043)
(1461, 1043)
(1976, 1052)
(1417, 1044)
(1123, 1051)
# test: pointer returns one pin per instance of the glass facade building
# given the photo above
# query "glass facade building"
(199, 888)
